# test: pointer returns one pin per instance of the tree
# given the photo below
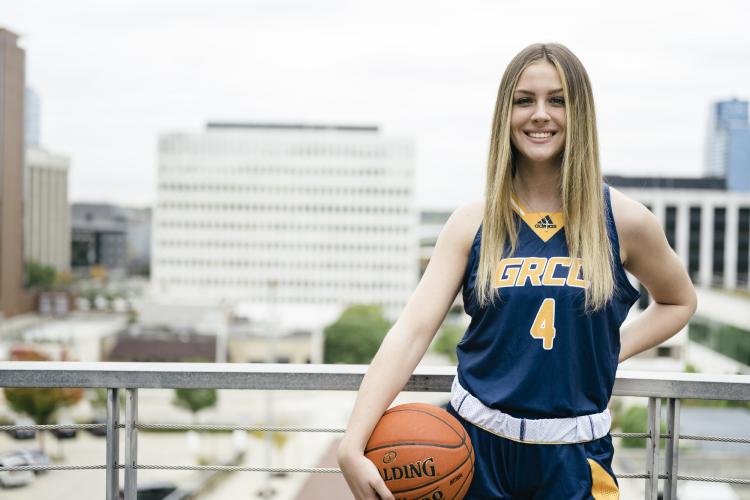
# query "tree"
(448, 337)
(635, 419)
(356, 335)
(39, 276)
(195, 400)
(42, 403)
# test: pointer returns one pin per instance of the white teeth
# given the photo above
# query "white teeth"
(540, 135)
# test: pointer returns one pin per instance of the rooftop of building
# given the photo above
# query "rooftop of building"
(292, 126)
(710, 183)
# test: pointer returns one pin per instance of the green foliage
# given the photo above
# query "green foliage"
(39, 276)
(725, 339)
(356, 335)
(690, 368)
(98, 398)
(636, 420)
(195, 400)
(448, 337)
(41, 404)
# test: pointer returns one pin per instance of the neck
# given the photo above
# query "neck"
(538, 186)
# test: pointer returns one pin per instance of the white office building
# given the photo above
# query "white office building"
(708, 227)
(46, 211)
(303, 219)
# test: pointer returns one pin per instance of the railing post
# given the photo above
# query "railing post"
(673, 429)
(131, 448)
(652, 448)
(113, 439)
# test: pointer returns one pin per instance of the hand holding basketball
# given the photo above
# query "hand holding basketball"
(422, 453)
(363, 479)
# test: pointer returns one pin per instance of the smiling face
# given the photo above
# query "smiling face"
(538, 114)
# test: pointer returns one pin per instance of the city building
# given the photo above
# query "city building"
(309, 218)
(255, 342)
(99, 238)
(31, 118)
(46, 209)
(138, 254)
(709, 228)
(728, 144)
(13, 300)
(158, 345)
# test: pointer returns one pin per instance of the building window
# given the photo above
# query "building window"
(743, 246)
(720, 214)
(670, 224)
(694, 243)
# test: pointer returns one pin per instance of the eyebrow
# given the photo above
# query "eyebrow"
(522, 91)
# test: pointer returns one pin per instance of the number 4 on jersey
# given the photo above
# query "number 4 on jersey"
(544, 324)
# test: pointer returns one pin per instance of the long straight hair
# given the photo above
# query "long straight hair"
(581, 186)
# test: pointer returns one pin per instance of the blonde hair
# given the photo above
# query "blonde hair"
(581, 188)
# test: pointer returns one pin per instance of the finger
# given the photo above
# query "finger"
(383, 491)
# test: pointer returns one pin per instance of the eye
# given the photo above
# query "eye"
(558, 100)
(522, 101)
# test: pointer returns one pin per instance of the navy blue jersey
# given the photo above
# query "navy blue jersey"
(535, 352)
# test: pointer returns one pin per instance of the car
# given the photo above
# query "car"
(98, 431)
(10, 478)
(65, 433)
(160, 490)
(23, 433)
(32, 457)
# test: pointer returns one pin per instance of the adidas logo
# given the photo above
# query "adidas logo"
(545, 223)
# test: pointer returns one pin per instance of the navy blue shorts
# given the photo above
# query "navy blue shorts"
(510, 469)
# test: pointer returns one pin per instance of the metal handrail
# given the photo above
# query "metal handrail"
(673, 387)
(282, 376)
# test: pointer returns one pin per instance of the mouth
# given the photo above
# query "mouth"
(539, 137)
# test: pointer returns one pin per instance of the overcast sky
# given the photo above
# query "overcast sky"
(114, 75)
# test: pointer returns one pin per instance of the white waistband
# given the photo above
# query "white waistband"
(541, 431)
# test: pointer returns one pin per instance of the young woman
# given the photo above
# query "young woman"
(542, 262)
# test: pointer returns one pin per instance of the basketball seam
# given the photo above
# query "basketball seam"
(463, 438)
(414, 443)
(465, 479)
(430, 414)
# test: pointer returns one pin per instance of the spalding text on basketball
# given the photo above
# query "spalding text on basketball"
(422, 468)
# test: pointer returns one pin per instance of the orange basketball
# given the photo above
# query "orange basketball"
(422, 453)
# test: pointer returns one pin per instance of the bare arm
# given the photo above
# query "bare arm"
(648, 256)
(409, 338)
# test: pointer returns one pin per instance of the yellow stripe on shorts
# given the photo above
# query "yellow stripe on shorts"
(603, 487)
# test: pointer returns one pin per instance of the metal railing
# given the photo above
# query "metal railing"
(115, 377)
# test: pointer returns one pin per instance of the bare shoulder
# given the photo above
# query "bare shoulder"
(463, 224)
(635, 223)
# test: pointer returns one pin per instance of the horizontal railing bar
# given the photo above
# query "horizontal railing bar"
(313, 470)
(715, 438)
(693, 437)
(51, 427)
(239, 468)
(53, 467)
(641, 435)
(729, 480)
(218, 427)
(280, 376)
(266, 428)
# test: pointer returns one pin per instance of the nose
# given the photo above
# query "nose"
(540, 112)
